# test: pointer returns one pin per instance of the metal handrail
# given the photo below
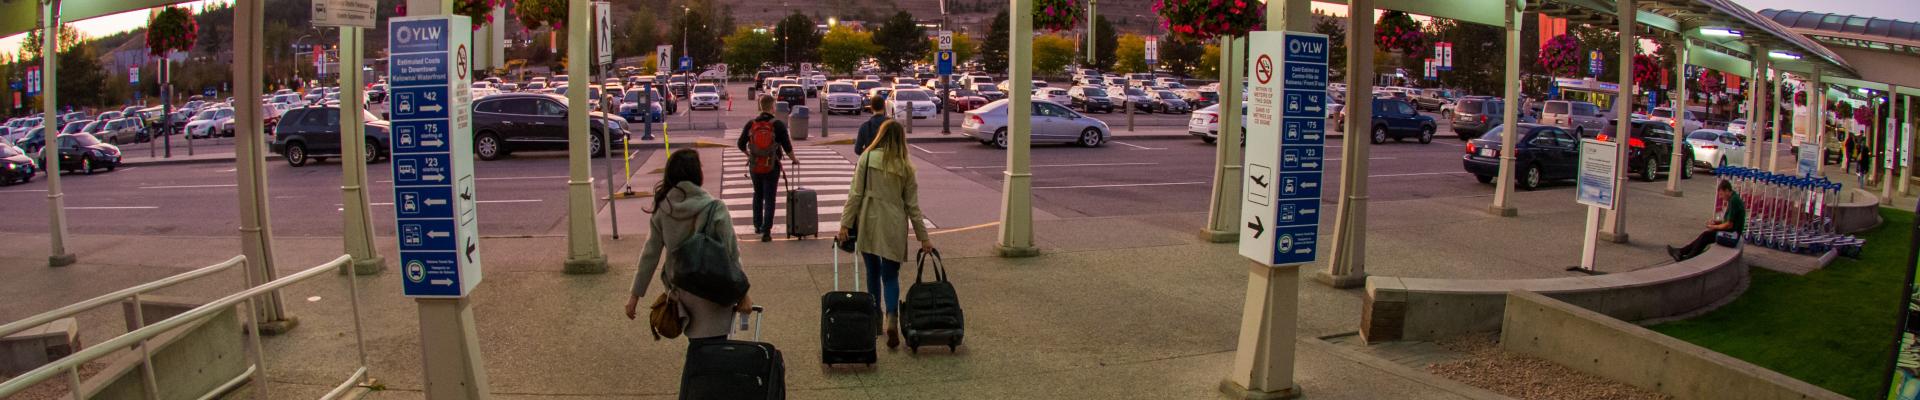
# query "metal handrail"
(71, 363)
(109, 298)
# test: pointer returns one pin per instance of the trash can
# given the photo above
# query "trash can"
(780, 110)
(797, 123)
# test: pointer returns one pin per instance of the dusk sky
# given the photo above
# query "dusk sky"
(1906, 10)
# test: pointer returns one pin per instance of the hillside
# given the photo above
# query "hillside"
(968, 15)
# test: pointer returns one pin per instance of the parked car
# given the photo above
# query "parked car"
(1664, 114)
(85, 153)
(1714, 148)
(1166, 102)
(705, 95)
(1056, 95)
(482, 89)
(1583, 118)
(1397, 120)
(844, 98)
(1090, 99)
(631, 111)
(991, 92)
(1739, 127)
(15, 165)
(1052, 123)
(1205, 123)
(1650, 149)
(1475, 115)
(1434, 100)
(912, 103)
(1541, 153)
(964, 100)
(1201, 98)
(209, 122)
(526, 121)
(1131, 95)
(879, 93)
(313, 134)
(123, 130)
(865, 85)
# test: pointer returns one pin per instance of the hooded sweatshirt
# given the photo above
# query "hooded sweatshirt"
(685, 205)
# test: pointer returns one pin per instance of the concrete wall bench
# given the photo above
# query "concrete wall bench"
(1425, 309)
(1860, 212)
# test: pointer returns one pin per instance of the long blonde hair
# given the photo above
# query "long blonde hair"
(892, 144)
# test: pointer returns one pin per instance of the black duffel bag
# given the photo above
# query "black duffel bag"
(705, 267)
(931, 313)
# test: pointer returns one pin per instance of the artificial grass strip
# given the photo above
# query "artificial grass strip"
(1833, 327)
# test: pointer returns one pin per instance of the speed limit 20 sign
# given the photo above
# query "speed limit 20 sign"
(946, 40)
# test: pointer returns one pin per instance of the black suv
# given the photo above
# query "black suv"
(1650, 149)
(313, 134)
(509, 122)
(1089, 98)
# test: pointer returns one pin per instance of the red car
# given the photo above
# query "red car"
(966, 100)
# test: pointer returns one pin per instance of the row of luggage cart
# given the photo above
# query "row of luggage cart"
(1789, 213)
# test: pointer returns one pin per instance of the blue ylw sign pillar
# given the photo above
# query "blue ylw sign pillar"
(435, 218)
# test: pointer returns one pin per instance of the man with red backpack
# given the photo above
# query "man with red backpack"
(764, 140)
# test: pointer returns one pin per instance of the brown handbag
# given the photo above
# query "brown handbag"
(668, 317)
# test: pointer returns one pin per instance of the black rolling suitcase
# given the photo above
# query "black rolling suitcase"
(803, 209)
(735, 369)
(931, 313)
(848, 321)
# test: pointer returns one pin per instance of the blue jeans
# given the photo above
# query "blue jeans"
(883, 280)
(763, 191)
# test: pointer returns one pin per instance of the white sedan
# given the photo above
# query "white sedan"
(914, 103)
(1056, 95)
(1714, 148)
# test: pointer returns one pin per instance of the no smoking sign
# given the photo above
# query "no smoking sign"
(1263, 69)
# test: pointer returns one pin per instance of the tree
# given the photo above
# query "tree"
(30, 48)
(1473, 42)
(993, 51)
(1336, 30)
(901, 41)
(1178, 54)
(1106, 41)
(1131, 54)
(699, 27)
(638, 34)
(795, 40)
(843, 47)
(747, 49)
(82, 80)
(1051, 54)
(1209, 64)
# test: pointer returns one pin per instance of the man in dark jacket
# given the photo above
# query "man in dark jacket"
(870, 128)
(764, 182)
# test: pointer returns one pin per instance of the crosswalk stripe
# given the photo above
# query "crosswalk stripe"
(747, 183)
(746, 201)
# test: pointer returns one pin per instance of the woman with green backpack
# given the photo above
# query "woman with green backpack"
(695, 232)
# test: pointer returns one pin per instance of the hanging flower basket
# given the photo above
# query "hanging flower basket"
(1561, 55)
(1208, 19)
(1398, 31)
(535, 14)
(479, 11)
(1646, 71)
(1863, 115)
(1056, 15)
(1712, 82)
(172, 29)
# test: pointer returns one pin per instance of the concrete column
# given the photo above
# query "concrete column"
(1906, 141)
(1509, 116)
(1223, 207)
(1817, 99)
(357, 227)
(450, 346)
(1016, 209)
(1346, 267)
(1779, 81)
(1614, 229)
(1757, 97)
(1891, 150)
(1680, 117)
(583, 237)
(1092, 42)
(250, 164)
(1263, 365)
(57, 256)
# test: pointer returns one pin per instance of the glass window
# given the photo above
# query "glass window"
(67, 142)
(1094, 92)
(1040, 110)
(333, 117)
(1563, 138)
(313, 118)
(517, 106)
(1704, 135)
(488, 106)
(1543, 138)
(1405, 109)
(1056, 110)
(551, 109)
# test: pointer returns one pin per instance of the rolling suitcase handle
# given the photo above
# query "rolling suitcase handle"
(857, 282)
(759, 319)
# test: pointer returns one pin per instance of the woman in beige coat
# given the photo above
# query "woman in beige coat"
(883, 200)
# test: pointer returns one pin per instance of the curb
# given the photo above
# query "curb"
(179, 161)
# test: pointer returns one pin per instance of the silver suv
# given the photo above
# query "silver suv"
(1583, 118)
